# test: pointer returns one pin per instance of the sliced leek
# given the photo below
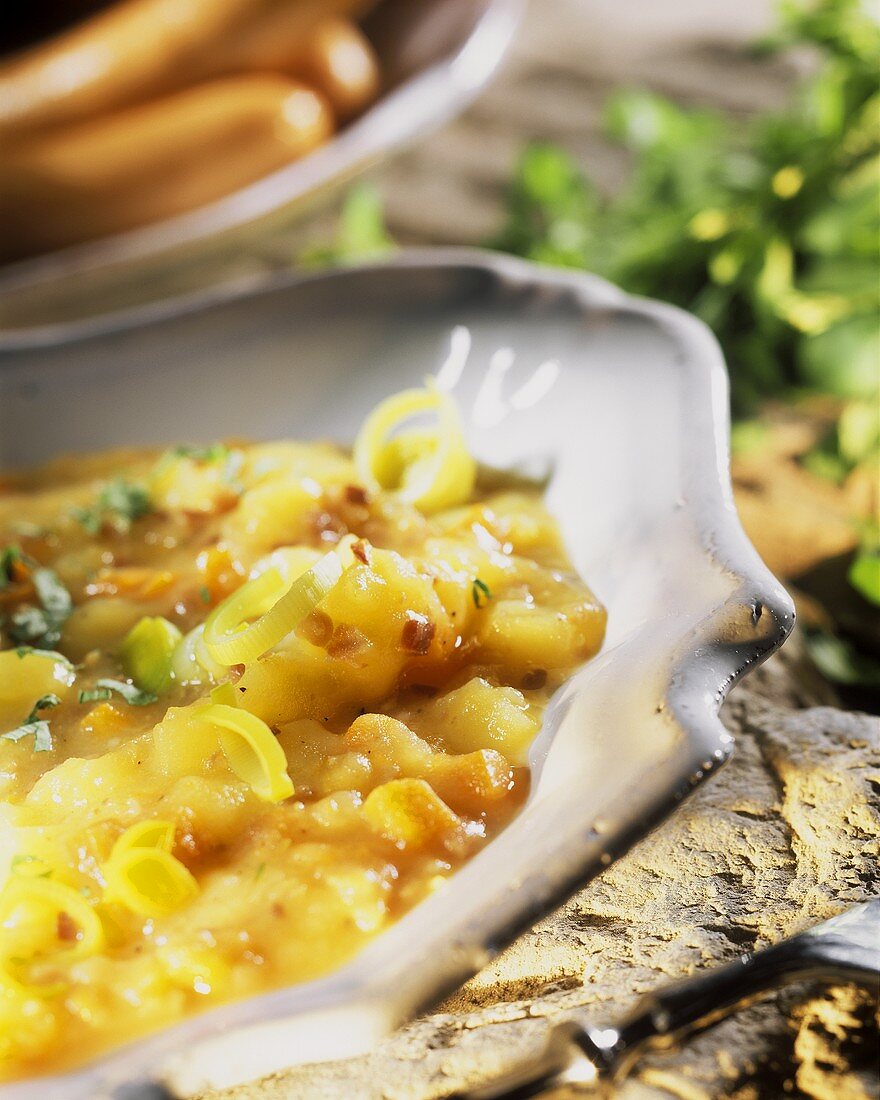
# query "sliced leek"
(191, 663)
(429, 468)
(24, 899)
(224, 693)
(147, 651)
(275, 606)
(145, 834)
(149, 881)
(251, 751)
(30, 867)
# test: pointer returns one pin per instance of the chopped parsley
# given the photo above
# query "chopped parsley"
(35, 725)
(120, 503)
(26, 650)
(27, 530)
(104, 689)
(480, 592)
(216, 452)
(213, 455)
(205, 594)
(40, 626)
(9, 555)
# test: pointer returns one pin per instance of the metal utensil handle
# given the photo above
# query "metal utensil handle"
(664, 1018)
(661, 1019)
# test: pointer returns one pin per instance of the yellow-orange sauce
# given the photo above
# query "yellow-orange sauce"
(405, 704)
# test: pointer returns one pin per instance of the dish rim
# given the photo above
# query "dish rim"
(716, 659)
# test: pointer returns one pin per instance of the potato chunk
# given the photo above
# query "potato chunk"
(410, 813)
(480, 716)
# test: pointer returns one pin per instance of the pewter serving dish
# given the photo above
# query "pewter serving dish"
(624, 400)
(435, 56)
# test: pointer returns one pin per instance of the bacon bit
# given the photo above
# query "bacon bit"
(327, 527)
(66, 928)
(131, 580)
(19, 570)
(221, 574)
(316, 627)
(418, 633)
(535, 679)
(361, 551)
(277, 909)
(346, 642)
(357, 494)
(236, 672)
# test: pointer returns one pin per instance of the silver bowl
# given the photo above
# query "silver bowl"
(435, 56)
(626, 399)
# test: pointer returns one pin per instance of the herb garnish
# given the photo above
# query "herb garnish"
(39, 626)
(480, 592)
(9, 555)
(215, 452)
(129, 692)
(35, 725)
(211, 455)
(26, 650)
(27, 530)
(120, 503)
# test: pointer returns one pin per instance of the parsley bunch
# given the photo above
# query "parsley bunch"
(767, 229)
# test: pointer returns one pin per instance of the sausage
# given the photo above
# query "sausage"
(339, 60)
(139, 49)
(154, 160)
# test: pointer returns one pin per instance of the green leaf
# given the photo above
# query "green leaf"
(214, 452)
(841, 662)
(858, 430)
(766, 228)
(480, 592)
(845, 359)
(864, 574)
(26, 650)
(360, 233)
(128, 691)
(120, 502)
(35, 726)
(95, 695)
(749, 436)
(8, 556)
(41, 626)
